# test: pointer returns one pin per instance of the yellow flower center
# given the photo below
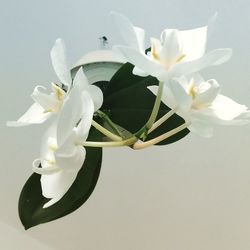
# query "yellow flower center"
(59, 93)
(52, 147)
(167, 64)
(154, 53)
(192, 91)
(50, 162)
(180, 58)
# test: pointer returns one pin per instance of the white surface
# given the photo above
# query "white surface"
(98, 56)
(99, 65)
(13, 239)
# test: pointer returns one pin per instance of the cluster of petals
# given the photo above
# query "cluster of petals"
(62, 154)
(201, 105)
(176, 53)
(175, 59)
(46, 105)
(73, 104)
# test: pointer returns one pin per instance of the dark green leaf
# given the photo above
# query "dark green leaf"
(31, 201)
(129, 103)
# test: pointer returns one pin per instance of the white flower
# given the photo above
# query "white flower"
(200, 103)
(134, 37)
(62, 155)
(176, 53)
(45, 105)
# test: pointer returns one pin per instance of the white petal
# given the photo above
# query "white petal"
(133, 36)
(55, 186)
(140, 35)
(59, 62)
(207, 91)
(201, 128)
(34, 115)
(156, 50)
(139, 72)
(193, 43)
(96, 95)
(182, 98)
(70, 115)
(187, 80)
(143, 62)
(50, 103)
(67, 149)
(155, 45)
(41, 170)
(196, 78)
(49, 137)
(226, 108)
(58, 92)
(71, 161)
(212, 58)
(172, 48)
(184, 82)
(94, 91)
(81, 80)
(82, 129)
(208, 116)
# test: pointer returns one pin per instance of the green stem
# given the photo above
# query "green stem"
(156, 107)
(162, 120)
(106, 132)
(142, 133)
(127, 142)
(106, 118)
(142, 145)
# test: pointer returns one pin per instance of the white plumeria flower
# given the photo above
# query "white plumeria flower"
(45, 105)
(199, 103)
(176, 53)
(62, 154)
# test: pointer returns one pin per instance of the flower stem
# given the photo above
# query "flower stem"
(142, 145)
(127, 142)
(106, 118)
(143, 132)
(106, 132)
(156, 107)
(162, 120)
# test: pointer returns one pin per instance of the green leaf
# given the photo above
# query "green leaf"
(31, 201)
(129, 103)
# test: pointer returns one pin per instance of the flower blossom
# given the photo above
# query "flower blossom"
(176, 53)
(201, 105)
(45, 105)
(62, 154)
